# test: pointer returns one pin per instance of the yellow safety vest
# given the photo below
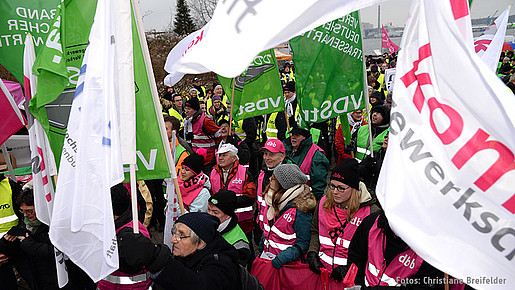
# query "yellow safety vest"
(8, 218)
(271, 129)
(173, 112)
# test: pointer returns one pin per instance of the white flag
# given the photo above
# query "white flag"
(240, 30)
(446, 183)
(43, 161)
(82, 222)
(489, 45)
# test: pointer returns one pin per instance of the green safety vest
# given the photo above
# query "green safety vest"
(235, 235)
(8, 218)
(362, 139)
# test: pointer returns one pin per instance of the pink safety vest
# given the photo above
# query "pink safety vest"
(305, 167)
(334, 252)
(404, 265)
(122, 281)
(282, 234)
(235, 184)
(261, 204)
(200, 139)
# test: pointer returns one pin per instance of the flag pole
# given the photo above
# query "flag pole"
(174, 178)
(134, 198)
(287, 122)
(155, 97)
(8, 162)
(365, 90)
(232, 106)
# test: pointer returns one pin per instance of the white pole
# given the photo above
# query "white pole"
(8, 162)
(365, 90)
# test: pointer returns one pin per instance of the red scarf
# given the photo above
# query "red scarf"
(191, 189)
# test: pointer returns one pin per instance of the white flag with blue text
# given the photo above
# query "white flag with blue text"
(82, 222)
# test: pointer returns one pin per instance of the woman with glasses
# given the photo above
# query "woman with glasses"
(339, 213)
(287, 218)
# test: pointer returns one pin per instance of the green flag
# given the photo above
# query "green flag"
(329, 70)
(18, 18)
(258, 89)
(58, 66)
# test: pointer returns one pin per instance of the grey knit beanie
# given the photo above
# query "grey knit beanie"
(289, 175)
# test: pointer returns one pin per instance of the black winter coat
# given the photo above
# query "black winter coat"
(201, 271)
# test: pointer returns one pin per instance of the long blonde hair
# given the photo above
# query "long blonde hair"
(352, 206)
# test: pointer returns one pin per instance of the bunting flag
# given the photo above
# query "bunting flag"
(446, 183)
(258, 90)
(387, 43)
(489, 45)
(12, 119)
(43, 167)
(82, 222)
(329, 70)
(17, 18)
(247, 28)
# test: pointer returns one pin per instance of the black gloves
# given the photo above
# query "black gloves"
(314, 262)
(339, 273)
(137, 252)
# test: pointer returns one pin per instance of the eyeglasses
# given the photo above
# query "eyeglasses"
(176, 235)
(339, 188)
(27, 212)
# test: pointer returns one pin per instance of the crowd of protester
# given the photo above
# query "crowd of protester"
(260, 191)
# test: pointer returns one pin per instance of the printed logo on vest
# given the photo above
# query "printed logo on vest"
(5, 206)
(237, 181)
(407, 261)
(355, 221)
(287, 217)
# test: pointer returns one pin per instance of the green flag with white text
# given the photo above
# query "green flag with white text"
(329, 70)
(258, 89)
(17, 18)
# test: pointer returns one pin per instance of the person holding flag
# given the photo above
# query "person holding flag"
(380, 125)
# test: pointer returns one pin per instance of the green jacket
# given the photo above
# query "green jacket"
(319, 165)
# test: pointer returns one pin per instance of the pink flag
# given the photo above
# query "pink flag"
(12, 119)
(388, 43)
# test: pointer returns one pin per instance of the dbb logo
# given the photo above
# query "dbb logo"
(405, 259)
(237, 181)
(271, 143)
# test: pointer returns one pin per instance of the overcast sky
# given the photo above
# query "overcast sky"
(160, 12)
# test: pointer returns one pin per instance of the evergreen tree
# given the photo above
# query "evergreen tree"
(183, 22)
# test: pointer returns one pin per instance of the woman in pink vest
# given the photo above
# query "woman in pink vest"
(118, 280)
(194, 184)
(289, 208)
(339, 213)
(385, 261)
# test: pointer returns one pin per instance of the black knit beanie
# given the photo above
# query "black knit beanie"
(193, 103)
(194, 162)
(202, 224)
(225, 200)
(120, 199)
(347, 172)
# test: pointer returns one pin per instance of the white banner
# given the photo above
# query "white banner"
(447, 180)
(240, 30)
(91, 163)
(489, 45)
